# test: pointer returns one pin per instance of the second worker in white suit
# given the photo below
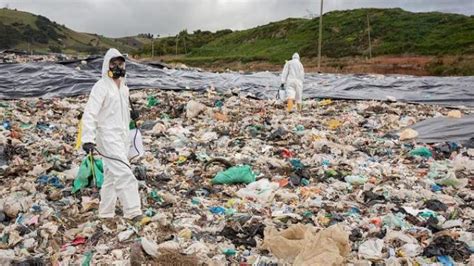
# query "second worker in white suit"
(292, 77)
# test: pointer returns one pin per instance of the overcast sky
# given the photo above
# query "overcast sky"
(117, 18)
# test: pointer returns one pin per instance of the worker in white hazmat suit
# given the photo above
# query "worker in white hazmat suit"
(292, 77)
(106, 122)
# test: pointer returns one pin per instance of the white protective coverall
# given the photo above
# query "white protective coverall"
(106, 121)
(293, 76)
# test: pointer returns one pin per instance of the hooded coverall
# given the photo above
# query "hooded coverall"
(106, 121)
(293, 76)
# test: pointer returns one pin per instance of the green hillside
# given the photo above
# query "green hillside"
(393, 32)
(25, 31)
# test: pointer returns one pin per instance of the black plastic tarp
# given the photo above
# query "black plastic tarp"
(443, 129)
(73, 78)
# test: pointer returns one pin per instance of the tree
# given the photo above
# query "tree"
(55, 49)
(183, 35)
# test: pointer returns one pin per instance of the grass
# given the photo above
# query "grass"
(23, 30)
(9, 17)
(393, 32)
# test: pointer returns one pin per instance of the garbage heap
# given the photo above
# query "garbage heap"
(24, 57)
(228, 179)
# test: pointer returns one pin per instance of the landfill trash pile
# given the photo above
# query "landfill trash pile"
(228, 180)
(26, 58)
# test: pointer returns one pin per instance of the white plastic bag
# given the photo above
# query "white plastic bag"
(136, 146)
(193, 109)
(262, 190)
(150, 247)
(371, 249)
(281, 95)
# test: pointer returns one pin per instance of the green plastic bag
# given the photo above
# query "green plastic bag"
(296, 164)
(235, 175)
(422, 152)
(152, 101)
(87, 258)
(90, 172)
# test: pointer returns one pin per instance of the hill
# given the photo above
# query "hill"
(26, 31)
(430, 43)
(394, 32)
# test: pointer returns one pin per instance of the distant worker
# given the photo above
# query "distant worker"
(292, 77)
(106, 122)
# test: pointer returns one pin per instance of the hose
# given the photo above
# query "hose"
(136, 131)
(134, 143)
(111, 158)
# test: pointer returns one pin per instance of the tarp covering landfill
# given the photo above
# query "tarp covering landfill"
(442, 129)
(340, 183)
(75, 78)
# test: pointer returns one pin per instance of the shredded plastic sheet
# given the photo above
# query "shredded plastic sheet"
(73, 78)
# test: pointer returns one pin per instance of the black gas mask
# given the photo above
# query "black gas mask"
(116, 72)
(116, 69)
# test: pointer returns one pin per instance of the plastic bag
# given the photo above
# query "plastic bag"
(371, 249)
(394, 221)
(194, 108)
(422, 152)
(446, 245)
(235, 175)
(451, 180)
(300, 245)
(136, 147)
(150, 247)
(90, 172)
(281, 94)
(262, 190)
(355, 179)
(152, 101)
(334, 124)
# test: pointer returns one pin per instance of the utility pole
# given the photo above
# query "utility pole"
(368, 31)
(152, 46)
(157, 36)
(320, 36)
(184, 40)
(177, 39)
(30, 49)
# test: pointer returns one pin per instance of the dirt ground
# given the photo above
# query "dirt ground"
(405, 65)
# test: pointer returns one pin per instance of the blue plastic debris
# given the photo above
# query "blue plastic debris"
(45, 126)
(297, 165)
(36, 208)
(446, 260)
(217, 210)
(53, 181)
(7, 125)
(42, 180)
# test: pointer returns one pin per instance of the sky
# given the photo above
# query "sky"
(118, 18)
